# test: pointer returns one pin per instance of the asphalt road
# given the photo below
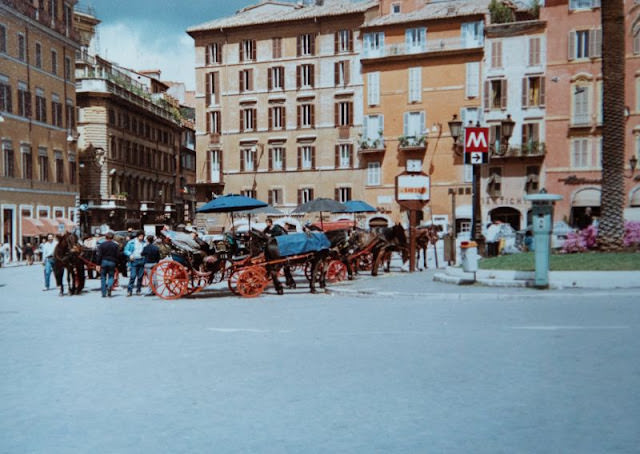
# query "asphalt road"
(397, 370)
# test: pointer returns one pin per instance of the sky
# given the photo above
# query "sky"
(150, 34)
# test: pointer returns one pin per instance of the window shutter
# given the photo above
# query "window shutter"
(299, 158)
(336, 73)
(350, 148)
(542, 90)
(284, 117)
(313, 44)
(336, 114)
(337, 161)
(423, 123)
(241, 51)
(311, 197)
(299, 120)
(241, 160)
(313, 157)
(486, 94)
(525, 135)
(350, 40)
(525, 91)
(270, 199)
(216, 87)
(270, 78)
(298, 71)
(282, 78)
(208, 167)
(405, 124)
(299, 196)
(253, 49)
(313, 116)
(299, 46)
(346, 72)
(312, 73)
(207, 53)
(535, 133)
(503, 93)
(350, 119)
(208, 121)
(218, 122)
(336, 42)
(595, 41)
(250, 81)
(254, 117)
(240, 81)
(207, 87)
(572, 45)
(271, 119)
(242, 120)
(336, 194)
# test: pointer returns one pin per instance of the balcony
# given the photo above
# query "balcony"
(111, 202)
(370, 145)
(429, 47)
(412, 143)
(529, 150)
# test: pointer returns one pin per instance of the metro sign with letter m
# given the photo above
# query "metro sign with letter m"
(476, 145)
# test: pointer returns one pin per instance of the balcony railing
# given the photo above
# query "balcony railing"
(370, 145)
(531, 149)
(412, 142)
(430, 46)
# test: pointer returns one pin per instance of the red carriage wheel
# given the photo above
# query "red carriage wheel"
(169, 280)
(232, 282)
(336, 271)
(252, 281)
(198, 282)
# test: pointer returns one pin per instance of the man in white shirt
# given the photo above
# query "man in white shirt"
(133, 251)
(47, 249)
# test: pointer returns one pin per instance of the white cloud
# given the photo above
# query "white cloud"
(129, 45)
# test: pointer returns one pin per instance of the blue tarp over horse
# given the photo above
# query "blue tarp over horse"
(300, 243)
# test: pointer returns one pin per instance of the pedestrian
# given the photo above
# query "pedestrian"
(107, 254)
(6, 252)
(491, 238)
(47, 248)
(133, 251)
(28, 253)
(151, 255)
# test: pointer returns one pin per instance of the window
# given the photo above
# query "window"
(277, 158)
(276, 47)
(27, 162)
(636, 41)
(246, 80)
(59, 167)
(214, 122)
(583, 4)
(306, 45)
(56, 111)
(3, 38)
(306, 116)
(248, 159)
(343, 194)
(585, 44)
(373, 89)
(532, 184)
(534, 52)
(70, 113)
(373, 174)
(277, 118)
(248, 119)
(373, 44)
(415, 39)
(415, 85)
(22, 51)
(494, 182)
(8, 159)
(72, 169)
(213, 54)
(67, 68)
(305, 76)
(5, 95)
(344, 156)
(373, 127)
(38, 55)
(212, 88)
(581, 109)
(472, 82)
(275, 78)
(305, 195)
(472, 34)
(395, 8)
(41, 106)
(249, 193)
(306, 157)
(414, 124)
(343, 41)
(496, 54)
(43, 164)
(530, 137)
(344, 113)
(341, 73)
(214, 165)
(275, 197)
(580, 156)
(533, 91)
(495, 94)
(248, 50)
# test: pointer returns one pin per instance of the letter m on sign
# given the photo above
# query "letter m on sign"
(476, 139)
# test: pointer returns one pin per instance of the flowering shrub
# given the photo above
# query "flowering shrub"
(585, 239)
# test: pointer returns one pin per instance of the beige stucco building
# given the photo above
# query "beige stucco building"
(38, 169)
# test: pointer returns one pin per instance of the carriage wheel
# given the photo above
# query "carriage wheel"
(169, 280)
(252, 281)
(198, 282)
(336, 271)
(232, 282)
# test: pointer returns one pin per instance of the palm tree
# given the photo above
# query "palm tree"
(611, 227)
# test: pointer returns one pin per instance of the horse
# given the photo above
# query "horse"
(258, 244)
(67, 257)
(424, 237)
(341, 248)
(89, 254)
(390, 240)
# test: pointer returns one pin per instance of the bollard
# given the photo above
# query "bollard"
(469, 256)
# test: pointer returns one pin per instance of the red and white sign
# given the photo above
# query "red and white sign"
(413, 187)
(476, 145)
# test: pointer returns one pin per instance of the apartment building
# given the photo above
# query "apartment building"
(278, 102)
(421, 65)
(514, 102)
(38, 169)
(574, 105)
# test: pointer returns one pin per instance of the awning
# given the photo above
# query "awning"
(32, 227)
(49, 225)
(587, 198)
(463, 212)
(69, 225)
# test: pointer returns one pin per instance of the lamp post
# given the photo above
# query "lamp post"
(633, 163)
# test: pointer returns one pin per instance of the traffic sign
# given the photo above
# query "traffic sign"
(476, 145)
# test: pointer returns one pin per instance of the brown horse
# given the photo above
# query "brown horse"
(67, 257)
(424, 237)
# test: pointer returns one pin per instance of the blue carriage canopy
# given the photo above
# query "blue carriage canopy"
(301, 243)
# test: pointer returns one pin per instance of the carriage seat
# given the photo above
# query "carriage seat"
(301, 243)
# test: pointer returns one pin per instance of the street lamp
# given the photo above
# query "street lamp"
(455, 129)
(633, 163)
(506, 131)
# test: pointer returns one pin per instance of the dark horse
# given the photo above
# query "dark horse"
(274, 261)
(67, 257)
(390, 240)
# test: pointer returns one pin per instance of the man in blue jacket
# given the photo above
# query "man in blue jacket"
(133, 251)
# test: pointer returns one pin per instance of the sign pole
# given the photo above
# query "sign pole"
(412, 240)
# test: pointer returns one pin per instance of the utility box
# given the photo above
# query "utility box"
(542, 212)
(469, 256)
